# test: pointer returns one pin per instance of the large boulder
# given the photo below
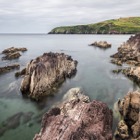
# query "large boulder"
(77, 119)
(46, 73)
(101, 44)
(129, 126)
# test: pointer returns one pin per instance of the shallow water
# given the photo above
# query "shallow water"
(94, 76)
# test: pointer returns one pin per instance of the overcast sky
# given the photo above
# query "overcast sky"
(40, 16)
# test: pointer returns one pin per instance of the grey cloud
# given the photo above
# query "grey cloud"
(42, 16)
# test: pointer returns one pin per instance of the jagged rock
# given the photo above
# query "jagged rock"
(13, 50)
(101, 44)
(117, 71)
(77, 119)
(129, 126)
(46, 73)
(10, 56)
(20, 73)
(129, 52)
(12, 53)
(9, 68)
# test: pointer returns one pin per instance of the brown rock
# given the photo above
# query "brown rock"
(101, 44)
(9, 68)
(77, 119)
(129, 126)
(46, 73)
(12, 53)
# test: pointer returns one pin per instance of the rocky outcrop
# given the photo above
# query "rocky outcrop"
(9, 68)
(129, 52)
(46, 73)
(77, 119)
(129, 108)
(12, 53)
(20, 73)
(101, 44)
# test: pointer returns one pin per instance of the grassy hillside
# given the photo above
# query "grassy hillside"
(128, 25)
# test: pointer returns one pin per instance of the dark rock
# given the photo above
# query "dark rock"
(101, 44)
(20, 73)
(117, 71)
(46, 73)
(77, 119)
(9, 68)
(10, 56)
(12, 53)
(27, 117)
(129, 108)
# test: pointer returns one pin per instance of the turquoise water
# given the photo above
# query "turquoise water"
(94, 76)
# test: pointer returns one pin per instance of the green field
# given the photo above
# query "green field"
(130, 25)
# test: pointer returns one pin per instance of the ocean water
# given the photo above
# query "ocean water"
(20, 117)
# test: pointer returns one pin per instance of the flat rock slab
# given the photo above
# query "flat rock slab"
(77, 119)
(101, 44)
(46, 73)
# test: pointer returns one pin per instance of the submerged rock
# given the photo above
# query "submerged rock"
(46, 73)
(9, 68)
(77, 119)
(129, 108)
(12, 53)
(101, 44)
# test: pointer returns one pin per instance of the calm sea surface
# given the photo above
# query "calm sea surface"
(94, 76)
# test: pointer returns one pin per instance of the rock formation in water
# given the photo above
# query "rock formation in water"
(9, 68)
(12, 53)
(129, 53)
(46, 73)
(77, 118)
(101, 44)
(129, 108)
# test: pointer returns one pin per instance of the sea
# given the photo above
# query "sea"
(20, 117)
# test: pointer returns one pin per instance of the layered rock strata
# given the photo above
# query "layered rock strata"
(46, 73)
(78, 118)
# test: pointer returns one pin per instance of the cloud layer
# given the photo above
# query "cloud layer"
(40, 16)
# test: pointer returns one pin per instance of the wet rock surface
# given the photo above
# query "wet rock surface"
(101, 44)
(9, 68)
(46, 73)
(77, 119)
(12, 53)
(129, 108)
(129, 53)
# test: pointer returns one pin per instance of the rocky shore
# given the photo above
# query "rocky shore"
(101, 44)
(77, 118)
(12, 53)
(46, 73)
(129, 53)
(129, 126)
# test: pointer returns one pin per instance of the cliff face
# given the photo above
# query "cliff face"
(44, 74)
(77, 119)
(130, 25)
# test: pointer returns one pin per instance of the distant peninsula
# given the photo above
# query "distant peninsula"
(129, 25)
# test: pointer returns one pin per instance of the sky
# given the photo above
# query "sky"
(40, 16)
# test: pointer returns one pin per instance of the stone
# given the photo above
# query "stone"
(12, 53)
(9, 68)
(78, 118)
(46, 73)
(101, 44)
(129, 108)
